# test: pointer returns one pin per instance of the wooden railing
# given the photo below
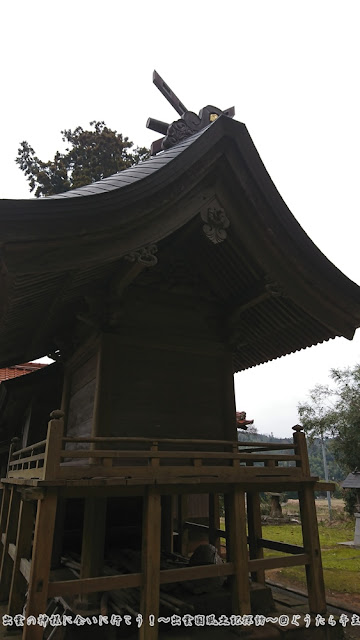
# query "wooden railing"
(158, 460)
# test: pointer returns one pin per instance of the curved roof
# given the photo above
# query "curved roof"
(278, 291)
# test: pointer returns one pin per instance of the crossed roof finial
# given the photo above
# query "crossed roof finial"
(189, 122)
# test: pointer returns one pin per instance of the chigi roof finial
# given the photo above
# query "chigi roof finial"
(189, 122)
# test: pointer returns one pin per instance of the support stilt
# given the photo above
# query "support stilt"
(4, 517)
(314, 571)
(9, 538)
(150, 591)
(41, 561)
(255, 532)
(237, 552)
(23, 550)
(93, 543)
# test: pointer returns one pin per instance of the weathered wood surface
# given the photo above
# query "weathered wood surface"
(235, 519)
(93, 539)
(9, 537)
(41, 560)
(255, 532)
(22, 550)
(150, 564)
(81, 399)
(161, 460)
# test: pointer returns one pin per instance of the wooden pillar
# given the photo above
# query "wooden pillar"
(255, 532)
(150, 590)
(4, 516)
(93, 544)
(54, 443)
(237, 552)
(23, 550)
(311, 542)
(214, 520)
(182, 530)
(10, 538)
(167, 528)
(58, 533)
(309, 524)
(41, 562)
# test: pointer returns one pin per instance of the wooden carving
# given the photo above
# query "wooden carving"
(274, 288)
(189, 122)
(216, 223)
(145, 256)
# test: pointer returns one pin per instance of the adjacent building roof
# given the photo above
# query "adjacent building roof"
(17, 370)
(211, 209)
(352, 481)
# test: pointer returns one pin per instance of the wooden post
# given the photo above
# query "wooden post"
(4, 516)
(301, 449)
(311, 542)
(309, 524)
(182, 530)
(236, 544)
(150, 591)
(214, 520)
(10, 538)
(13, 447)
(255, 532)
(40, 563)
(53, 447)
(167, 523)
(23, 550)
(58, 533)
(65, 399)
(93, 544)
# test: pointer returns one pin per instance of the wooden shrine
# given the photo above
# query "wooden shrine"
(151, 288)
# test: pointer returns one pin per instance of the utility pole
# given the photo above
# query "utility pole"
(326, 474)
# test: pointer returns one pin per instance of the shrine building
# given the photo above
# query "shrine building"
(150, 289)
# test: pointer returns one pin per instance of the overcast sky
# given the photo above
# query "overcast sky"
(290, 68)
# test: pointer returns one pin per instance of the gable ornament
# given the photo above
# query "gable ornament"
(216, 223)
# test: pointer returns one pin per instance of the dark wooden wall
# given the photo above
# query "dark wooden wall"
(165, 371)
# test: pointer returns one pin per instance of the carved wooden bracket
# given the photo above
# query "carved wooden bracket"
(274, 288)
(145, 256)
(216, 222)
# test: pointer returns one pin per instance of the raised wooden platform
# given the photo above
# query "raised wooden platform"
(97, 468)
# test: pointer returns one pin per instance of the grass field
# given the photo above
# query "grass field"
(341, 564)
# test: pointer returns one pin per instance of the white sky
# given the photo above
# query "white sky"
(290, 67)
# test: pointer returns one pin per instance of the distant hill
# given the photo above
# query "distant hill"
(336, 474)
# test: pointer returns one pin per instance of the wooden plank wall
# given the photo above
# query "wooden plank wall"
(81, 398)
(147, 391)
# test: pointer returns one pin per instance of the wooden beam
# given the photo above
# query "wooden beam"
(167, 576)
(129, 580)
(280, 561)
(92, 585)
(280, 546)
(25, 568)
